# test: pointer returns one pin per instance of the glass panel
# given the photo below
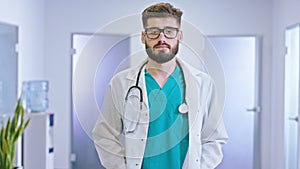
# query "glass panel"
(8, 68)
(237, 55)
(291, 97)
(96, 59)
(9, 75)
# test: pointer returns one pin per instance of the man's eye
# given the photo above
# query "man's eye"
(169, 31)
(154, 32)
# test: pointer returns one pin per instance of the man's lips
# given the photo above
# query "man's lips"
(162, 46)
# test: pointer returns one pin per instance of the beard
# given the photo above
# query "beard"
(162, 56)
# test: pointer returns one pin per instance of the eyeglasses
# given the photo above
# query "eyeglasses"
(154, 32)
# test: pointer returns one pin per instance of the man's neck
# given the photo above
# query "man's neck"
(161, 72)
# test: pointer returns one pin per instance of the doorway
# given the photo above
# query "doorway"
(240, 59)
(291, 97)
(95, 59)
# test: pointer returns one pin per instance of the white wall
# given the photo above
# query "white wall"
(285, 13)
(29, 17)
(231, 17)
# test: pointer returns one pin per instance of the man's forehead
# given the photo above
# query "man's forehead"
(170, 21)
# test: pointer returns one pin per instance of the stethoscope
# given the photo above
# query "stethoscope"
(183, 108)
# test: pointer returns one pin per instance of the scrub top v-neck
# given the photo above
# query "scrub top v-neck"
(167, 140)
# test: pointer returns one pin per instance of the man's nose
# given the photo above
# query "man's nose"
(161, 36)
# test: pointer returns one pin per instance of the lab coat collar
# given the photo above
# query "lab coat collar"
(132, 77)
(188, 68)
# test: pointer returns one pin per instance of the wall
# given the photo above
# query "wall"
(62, 18)
(29, 17)
(285, 13)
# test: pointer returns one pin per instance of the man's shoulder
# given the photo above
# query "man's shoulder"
(125, 73)
(199, 74)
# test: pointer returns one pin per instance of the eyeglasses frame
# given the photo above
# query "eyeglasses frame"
(162, 31)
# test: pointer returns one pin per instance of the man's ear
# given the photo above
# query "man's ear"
(180, 36)
(143, 37)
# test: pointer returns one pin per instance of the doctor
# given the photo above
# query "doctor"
(164, 113)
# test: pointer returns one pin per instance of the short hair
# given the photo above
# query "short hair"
(161, 10)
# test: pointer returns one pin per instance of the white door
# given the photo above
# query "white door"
(291, 97)
(238, 56)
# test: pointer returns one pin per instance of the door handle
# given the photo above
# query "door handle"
(255, 109)
(294, 118)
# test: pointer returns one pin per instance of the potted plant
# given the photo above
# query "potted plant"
(9, 135)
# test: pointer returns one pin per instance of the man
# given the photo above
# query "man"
(163, 113)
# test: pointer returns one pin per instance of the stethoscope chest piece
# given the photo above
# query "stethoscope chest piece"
(183, 108)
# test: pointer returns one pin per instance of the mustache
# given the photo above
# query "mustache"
(161, 43)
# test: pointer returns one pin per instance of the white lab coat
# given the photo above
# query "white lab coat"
(206, 128)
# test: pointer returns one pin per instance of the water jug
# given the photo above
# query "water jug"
(35, 95)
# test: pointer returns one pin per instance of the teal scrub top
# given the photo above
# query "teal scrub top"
(167, 141)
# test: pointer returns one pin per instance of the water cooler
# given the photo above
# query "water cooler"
(38, 147)
(38, 150)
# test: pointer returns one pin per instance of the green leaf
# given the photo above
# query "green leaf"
(9, 134)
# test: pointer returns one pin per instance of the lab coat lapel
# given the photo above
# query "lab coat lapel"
(132, 77)
(192, 90)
